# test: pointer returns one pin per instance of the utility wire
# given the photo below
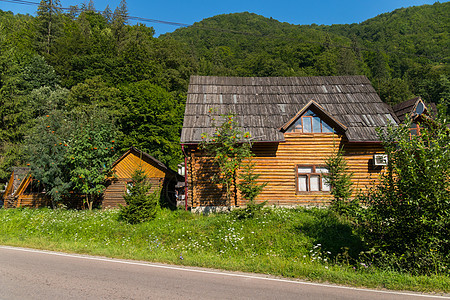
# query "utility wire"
(24, 2)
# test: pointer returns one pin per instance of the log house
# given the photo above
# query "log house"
(296, 124)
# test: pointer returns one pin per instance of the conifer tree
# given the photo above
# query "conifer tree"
(121, 13)
(90, 6)
(119, 20)
(141, 206)
(48, 15)
(107, 14)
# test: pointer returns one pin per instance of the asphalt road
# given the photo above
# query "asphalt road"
(33, 274)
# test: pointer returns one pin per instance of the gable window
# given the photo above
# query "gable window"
(311, 179)
(310, 122)
(420, 108)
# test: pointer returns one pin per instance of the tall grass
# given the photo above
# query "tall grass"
(310, 244)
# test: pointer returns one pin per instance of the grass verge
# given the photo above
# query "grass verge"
(308, 244)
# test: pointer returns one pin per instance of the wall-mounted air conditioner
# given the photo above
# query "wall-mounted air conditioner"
(380, 160)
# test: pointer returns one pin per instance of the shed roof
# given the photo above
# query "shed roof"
(20, 174)
(408, 107)
(156, 162)
(262, 105)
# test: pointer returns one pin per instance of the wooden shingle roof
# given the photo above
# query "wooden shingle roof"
(264, 104)
(405, 108)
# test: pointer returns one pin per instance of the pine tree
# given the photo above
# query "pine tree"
(121, 13)
(90, 6)
(47, 19)
(248, 185)
(141, 206)
(107, 14)
(119, 20)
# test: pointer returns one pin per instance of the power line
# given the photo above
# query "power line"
(24, 2)
(100, 12)
(20, 2)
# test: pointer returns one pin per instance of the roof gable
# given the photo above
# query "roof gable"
(262, 104)
(134, 159)
(415, 107)
(314, 106)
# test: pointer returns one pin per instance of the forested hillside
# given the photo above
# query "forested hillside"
(404, 53)
(83, 60)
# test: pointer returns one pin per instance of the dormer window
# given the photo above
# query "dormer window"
(310, 122)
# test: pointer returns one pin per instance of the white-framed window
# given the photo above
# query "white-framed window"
(310, 178)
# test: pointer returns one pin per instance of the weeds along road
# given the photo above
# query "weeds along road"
(33, 274)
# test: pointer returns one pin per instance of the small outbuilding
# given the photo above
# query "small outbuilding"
(23, 191)
(159, 175)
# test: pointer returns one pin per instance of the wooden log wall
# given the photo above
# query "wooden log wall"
(276, 163)
(34, 200)
(113, 195)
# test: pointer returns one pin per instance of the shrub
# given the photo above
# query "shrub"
(251, 211)
(141, 206)
(408, 215)
(339, 179)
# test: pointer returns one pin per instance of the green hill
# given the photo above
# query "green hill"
(405, 53)
(81, 60)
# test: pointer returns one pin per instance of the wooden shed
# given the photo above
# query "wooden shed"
(296, 124)
(159, 175)
(22, 191)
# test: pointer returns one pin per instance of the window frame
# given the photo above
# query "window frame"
(308, 116)
(308, 179)
(416, 128)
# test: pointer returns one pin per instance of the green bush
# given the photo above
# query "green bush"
(251, 211)
(141, 206)
(407, 220)
(339, 179)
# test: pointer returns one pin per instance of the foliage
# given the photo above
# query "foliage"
(72, 152)
(47, 154)
(307, 244)
(23, 98)
(48, 17)
(388, 49)
(11, 156)
(339, 179)
(408, 214)
(152, 121)
(248, 185)
(141, 206)
(90, 153)
(228, 146)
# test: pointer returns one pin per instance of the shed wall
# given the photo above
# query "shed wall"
(113, 195)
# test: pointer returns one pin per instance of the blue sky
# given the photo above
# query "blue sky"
(299, 12)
